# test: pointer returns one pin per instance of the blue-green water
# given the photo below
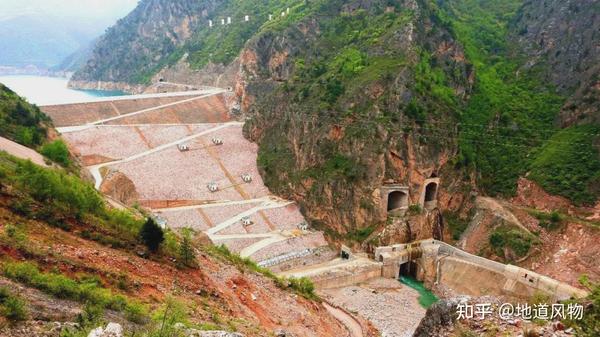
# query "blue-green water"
(42, 90)
(426, 297)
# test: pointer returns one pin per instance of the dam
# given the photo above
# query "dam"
(183, 157)
(435, 262)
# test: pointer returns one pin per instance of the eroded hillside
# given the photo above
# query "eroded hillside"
(80, 263)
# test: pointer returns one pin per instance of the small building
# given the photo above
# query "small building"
(247, 178)
(246, 221)
(212, 187)
(217, 141)
(247, 18)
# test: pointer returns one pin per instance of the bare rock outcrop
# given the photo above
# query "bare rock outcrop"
(118, 186)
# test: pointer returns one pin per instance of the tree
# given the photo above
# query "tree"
(58, 152)
(152, 235)
(186, 250)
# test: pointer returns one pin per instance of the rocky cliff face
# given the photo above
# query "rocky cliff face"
(561, 38)
(350, 112)
(347, 96)
(138, 45)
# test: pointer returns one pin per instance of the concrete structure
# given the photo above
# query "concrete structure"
(340, 272)
(395, 199)
(434, 262)
(428, 199)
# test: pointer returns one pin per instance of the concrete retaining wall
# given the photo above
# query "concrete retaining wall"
(347, 278)
(469, 274)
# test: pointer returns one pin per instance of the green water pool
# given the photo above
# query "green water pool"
(426, 297)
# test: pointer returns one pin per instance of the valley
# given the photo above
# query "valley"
(310, 168)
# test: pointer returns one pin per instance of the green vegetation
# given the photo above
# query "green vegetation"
(569, 165)
(415, 209)
(549, 221)
(12, 306)
(187, 255)
(86, 290)
(58, 152)
(361, 234)
(510, 114)
(165, 318)
(301, 286)
(21, 121)
(220, 44)
(589, 326)
(58, 197)
(512, 238)
(152, 235)
(456, 224)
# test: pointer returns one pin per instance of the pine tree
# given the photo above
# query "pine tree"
(152, 235)
(186, 250)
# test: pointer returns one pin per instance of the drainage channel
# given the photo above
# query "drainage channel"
(426, 297)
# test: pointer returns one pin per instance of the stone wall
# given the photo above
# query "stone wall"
(469, 274)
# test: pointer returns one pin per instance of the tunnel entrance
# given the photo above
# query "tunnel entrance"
(430, 192)
(408, 269)
(397, 200)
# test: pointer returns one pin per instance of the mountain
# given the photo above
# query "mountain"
(389, 91)
(20, 121)
(77, 59)
(42, 41)
(561, 40)
(71, 261)
(38, 35)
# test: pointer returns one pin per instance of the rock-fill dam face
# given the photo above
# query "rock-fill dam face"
(435, 262)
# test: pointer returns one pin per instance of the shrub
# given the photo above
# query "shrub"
(569, 164)
(304, 287)
(58, 190)
(87, 290)
(516, 240)
(15, 235)
(186, 250)
(456, 225)
(58, 152)
(12, 306)
(136, 312)
(415, 209)
(589, 326)
(152, 235)
(549, 221)
(361, 235)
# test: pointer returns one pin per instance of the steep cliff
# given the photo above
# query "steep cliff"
(347, 96)
(356, 89)
(561, 39)
(174, 38)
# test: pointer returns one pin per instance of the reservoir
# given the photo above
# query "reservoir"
(43, 90)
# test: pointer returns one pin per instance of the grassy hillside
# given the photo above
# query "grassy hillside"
(508, 127)
(66, 248)
(21, 121)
